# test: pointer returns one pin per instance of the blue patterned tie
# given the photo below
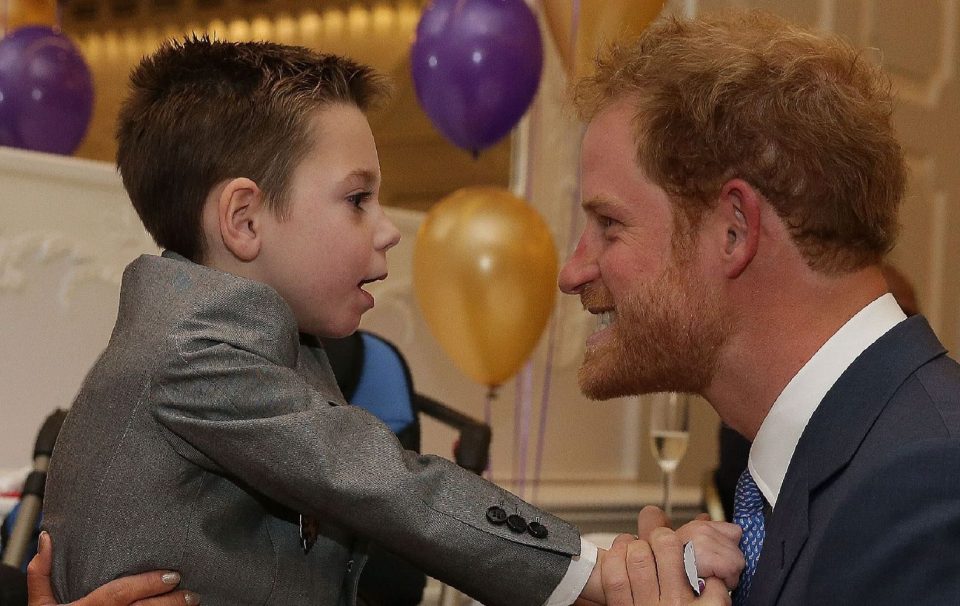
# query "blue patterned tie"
(748, 514)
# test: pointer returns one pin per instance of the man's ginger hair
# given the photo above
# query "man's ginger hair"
(805, 119)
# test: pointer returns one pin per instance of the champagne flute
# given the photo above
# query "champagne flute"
(669, 433)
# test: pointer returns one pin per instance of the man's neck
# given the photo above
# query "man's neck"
(776, 333)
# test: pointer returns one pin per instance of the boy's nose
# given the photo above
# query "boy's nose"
(388, 236)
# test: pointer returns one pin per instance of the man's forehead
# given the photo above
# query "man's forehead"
(609, 137)
(618, 115)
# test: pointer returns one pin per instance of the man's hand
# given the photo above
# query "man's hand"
(147, 589)
(642, 573)
(651, 517)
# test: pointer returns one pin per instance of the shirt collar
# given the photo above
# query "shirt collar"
(780, 431)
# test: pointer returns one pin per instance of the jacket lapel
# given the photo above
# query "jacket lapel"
(832, 438)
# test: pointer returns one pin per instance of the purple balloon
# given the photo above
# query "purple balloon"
(46, 91)
(476, 67)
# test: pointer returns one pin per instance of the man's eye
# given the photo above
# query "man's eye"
(606, 222)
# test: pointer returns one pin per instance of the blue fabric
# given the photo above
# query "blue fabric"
(383, 389)
(748, 514)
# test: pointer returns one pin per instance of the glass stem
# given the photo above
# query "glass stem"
(667, 500)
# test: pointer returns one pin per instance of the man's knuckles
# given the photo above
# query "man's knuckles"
(640, 556)
(664, 539)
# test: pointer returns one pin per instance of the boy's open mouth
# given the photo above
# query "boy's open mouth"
(363, 283)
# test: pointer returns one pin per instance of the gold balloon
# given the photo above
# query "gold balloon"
(484, 274)
(30, 12)
(598, 22)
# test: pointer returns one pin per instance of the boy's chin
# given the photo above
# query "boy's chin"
(330, 331)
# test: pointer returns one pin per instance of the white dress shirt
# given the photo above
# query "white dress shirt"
(577, 575)
(780, 431)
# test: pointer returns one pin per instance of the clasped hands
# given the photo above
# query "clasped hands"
(642, 570)
(647, 569)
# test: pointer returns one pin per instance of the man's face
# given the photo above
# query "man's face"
(659, 326)
(334, 235)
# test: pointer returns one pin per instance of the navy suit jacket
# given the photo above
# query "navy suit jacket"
(869, 511)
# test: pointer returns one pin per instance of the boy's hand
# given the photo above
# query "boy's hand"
(147, 589)
(592, 594)
(642, 573)
(716, 544)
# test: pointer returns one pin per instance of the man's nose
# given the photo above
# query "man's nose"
(579, 270)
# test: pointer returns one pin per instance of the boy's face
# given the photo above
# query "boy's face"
(334, 235)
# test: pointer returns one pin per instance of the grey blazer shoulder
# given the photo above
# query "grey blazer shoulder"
(204, 430)
(869, 512)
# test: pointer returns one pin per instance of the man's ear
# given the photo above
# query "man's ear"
(739, 207)
(239, 210)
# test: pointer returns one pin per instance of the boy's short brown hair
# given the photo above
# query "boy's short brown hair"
(805, 119)
(201, 111)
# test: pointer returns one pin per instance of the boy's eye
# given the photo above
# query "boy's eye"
(358, 198)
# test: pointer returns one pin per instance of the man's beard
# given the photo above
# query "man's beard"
(667, 337)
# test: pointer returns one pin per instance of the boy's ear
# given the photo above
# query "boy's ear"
(239, 209)
(739, 209)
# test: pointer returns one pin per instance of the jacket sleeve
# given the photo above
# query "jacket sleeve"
(234, 405)
(896, 538)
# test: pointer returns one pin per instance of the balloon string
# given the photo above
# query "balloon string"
(545, 402)
(517, 415)
(522, 427)
(488, 419)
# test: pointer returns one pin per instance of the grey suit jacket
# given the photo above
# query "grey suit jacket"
(869, 512)
(205, 428)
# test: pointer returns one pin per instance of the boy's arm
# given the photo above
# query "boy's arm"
(232, 409)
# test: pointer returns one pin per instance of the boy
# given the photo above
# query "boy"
(223, 449)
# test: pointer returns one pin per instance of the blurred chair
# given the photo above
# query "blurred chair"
(373, 374)
(22, 525)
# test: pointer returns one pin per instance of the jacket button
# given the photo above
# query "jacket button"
(537, 530)
(496, 515)
(516, 523)
(349, 566)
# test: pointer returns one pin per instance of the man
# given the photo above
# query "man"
(741, 181)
